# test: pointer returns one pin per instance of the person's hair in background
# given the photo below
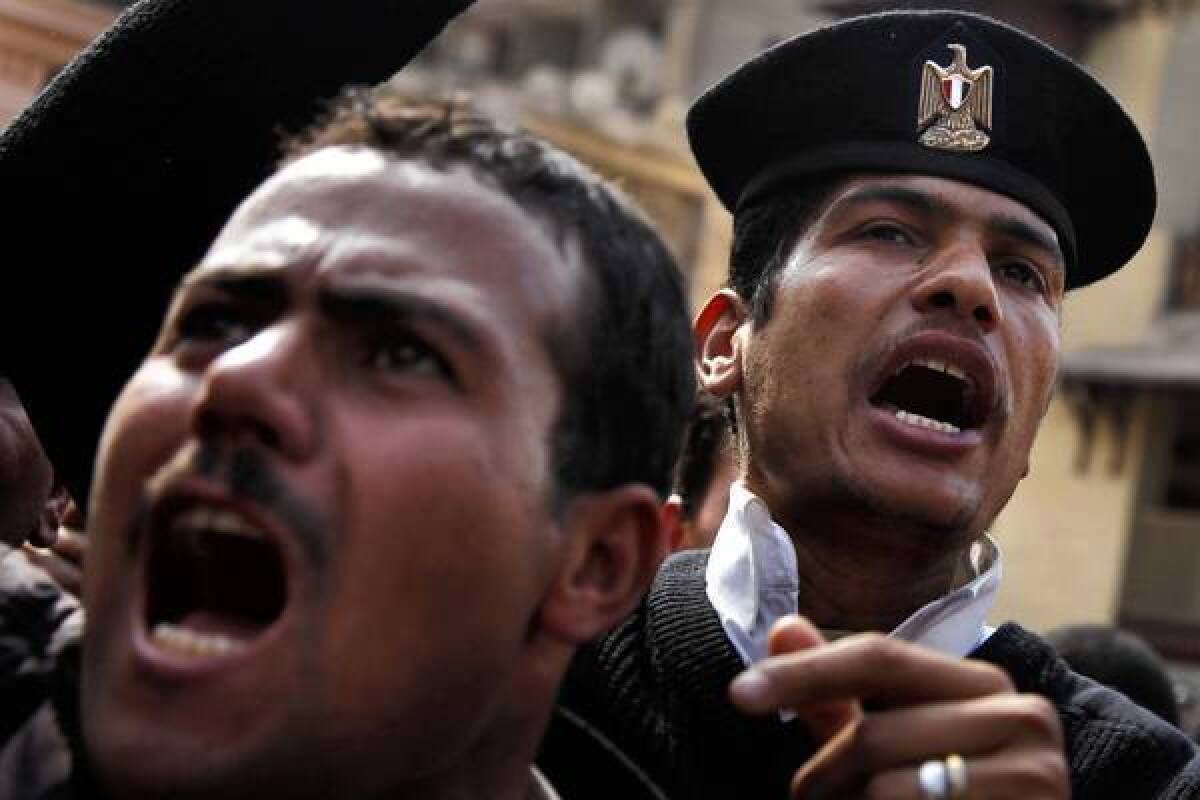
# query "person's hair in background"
(1120, 660)
(703, 473)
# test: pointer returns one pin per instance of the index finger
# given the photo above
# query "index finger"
(868, 667)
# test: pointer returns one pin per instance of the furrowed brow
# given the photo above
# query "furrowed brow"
(378, 306)
(255, 285)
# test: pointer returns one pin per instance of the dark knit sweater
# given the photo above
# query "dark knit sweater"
(657, 686)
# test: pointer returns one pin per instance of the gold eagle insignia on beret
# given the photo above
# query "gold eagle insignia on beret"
(955, 99)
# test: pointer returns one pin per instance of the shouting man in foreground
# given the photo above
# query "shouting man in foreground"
(384, 468)
(380, 475)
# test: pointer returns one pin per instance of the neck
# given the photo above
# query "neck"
(498, 766)
(869, 572)
(514, 782)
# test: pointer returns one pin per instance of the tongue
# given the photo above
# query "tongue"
(207, 622)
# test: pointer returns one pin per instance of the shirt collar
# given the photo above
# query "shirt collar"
(752, 581)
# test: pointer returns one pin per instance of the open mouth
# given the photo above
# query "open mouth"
(933, 394)
(215, 583)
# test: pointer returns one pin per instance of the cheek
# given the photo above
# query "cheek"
(146, 426)
(442, 566)
(435, 498)
(823, 319)
(1039, 349)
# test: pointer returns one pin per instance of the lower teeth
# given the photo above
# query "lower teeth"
(926, 422)
(189, 643)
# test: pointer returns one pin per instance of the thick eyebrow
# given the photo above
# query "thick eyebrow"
(263, 286)
(1019, 229)
(381, 306)
(919, 202)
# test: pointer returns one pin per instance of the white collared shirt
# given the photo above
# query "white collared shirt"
(752, 580)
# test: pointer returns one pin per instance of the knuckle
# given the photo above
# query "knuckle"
(997, 679)
(878, 787)
(1044, 773)
(1038, 717)
(883, 652)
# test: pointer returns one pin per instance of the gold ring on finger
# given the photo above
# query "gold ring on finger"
(956, 776)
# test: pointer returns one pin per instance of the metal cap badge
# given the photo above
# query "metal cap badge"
(955, 99)
(948, 94)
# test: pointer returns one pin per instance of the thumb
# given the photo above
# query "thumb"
(823, 720)
(792, 633)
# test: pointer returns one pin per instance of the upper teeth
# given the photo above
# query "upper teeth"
(937, 366)
(213, 520)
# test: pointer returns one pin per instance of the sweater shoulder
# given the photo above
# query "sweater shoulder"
(658, 687)
(672, 643)
(1115, 748)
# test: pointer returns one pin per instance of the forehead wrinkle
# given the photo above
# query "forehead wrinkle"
(423, 256)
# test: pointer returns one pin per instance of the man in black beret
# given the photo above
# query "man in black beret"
(383, 469)
(912, 194)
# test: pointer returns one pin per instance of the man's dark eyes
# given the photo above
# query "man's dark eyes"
(889, 233)
(402, 352)
(1022, 274)
(385, 350)
(213, 322)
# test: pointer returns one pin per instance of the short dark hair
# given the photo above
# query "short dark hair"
(705, 442)
(625, 359)
(764, 234)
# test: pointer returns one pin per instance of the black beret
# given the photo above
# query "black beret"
(122, 171)
(943, 93)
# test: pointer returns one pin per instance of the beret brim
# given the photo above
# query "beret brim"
(845, 99)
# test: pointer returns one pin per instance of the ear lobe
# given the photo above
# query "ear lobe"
(718, 348)
(617, 541)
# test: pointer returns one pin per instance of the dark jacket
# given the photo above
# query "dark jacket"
(658, 687)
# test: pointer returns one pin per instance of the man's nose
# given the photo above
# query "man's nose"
(960, 280)
(257, 388)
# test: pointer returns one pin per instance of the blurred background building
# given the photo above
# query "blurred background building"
(1107, 528)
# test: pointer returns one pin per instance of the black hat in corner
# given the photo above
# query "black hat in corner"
(120, 174)
(943, 93)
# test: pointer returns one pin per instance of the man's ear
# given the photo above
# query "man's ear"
(718, 348)
(616, 542)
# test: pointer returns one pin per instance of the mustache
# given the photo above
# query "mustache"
(944, 325)
(247, 475)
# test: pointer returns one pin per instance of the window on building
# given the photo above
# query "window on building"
(1160, 596)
